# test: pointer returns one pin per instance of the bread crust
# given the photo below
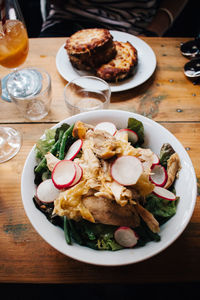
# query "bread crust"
(120, 67)
(89, 48)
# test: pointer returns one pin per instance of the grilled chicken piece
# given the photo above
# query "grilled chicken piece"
(173, 167)
(80, 129)
(148, 218)
(91, 163)
(108, 212)
(104, 144)
(121, 193)
(51, 161)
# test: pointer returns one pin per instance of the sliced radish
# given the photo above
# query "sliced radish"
(121, 135)
(132, 135)
(106, 126)
(74, 150)
(156, 160)
(64, 173)
(126, 237)
(164, 193)
(159, 175)
(46, 191)
(126, 170)
(79, 174)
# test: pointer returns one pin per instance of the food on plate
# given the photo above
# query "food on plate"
(121, 66)
(89, 48)
(94, 50)
(173, 166)
(102, 187)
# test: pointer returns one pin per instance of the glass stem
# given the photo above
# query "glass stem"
(18, 81)
(17, 74)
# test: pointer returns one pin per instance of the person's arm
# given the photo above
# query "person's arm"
(167, 12)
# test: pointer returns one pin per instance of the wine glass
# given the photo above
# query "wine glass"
(14, 48)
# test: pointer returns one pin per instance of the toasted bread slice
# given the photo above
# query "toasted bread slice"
(120, 67)
(89, 48)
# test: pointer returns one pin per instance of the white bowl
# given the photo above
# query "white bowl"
(155, 136)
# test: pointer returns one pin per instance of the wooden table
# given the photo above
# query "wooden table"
(168, 98)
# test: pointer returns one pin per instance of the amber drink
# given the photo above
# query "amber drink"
(13, 44)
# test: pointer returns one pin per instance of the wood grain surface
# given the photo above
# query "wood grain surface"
(167, 97)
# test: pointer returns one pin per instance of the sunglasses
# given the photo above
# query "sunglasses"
(191, 50)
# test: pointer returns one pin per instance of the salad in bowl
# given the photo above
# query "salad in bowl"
(107, 188)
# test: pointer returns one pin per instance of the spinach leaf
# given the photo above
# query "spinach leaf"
(145, 234)
(138, 127)
(96, 236)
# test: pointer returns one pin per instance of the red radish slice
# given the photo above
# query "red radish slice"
(46, 191)
(164, 193)
(121, 135)
(159, 175)
(156, 160)
(74, 150)
(64, 173)
(106, 126)
(126, 237)
(79, 174)
(132, 135)
(126, 170)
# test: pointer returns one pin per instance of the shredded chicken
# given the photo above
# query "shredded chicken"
(146, 157)
(69, 203)
(121, 193)
(80, 129)
(104, 145)
(173, 167)
(148, 218)
(143, 186)
(97, 197)
(51, 161)
(89, 162)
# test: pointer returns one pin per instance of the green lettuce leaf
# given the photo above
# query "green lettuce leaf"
(106, 242)
(44, 145)
(162, 209)
(138, 127)
(165, 152)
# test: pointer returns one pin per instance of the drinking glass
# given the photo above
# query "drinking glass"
(36, 106)
(86, 93)
(14, 48)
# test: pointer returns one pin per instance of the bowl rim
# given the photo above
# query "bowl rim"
(105, 113)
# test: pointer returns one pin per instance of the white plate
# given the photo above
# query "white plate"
(145, 68)
(186, 187)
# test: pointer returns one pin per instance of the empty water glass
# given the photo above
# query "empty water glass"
(86, 93)
(36, 105)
